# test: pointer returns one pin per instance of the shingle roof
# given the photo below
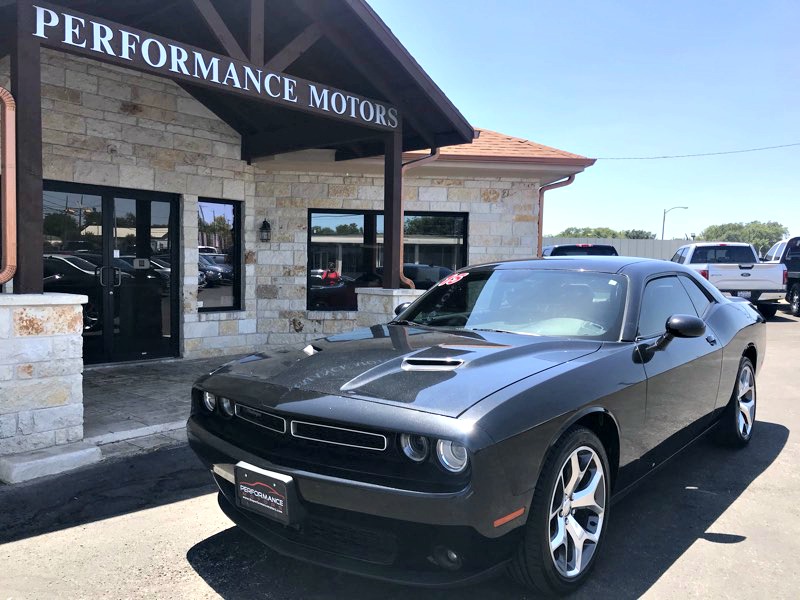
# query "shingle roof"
(498, 147)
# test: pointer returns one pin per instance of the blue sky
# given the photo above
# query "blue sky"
(607, 79)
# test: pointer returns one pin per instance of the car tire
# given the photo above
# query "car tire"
(768, 310)
(794, 300)
(542, 561)
(735, 427)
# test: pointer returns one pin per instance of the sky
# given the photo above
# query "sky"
(630, 79)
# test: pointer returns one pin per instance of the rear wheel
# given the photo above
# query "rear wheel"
(568, 516)
(794, 300)
(735, 427)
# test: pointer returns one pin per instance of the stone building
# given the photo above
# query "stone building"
(185, 232)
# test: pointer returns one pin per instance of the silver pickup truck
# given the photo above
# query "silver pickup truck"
(734, 268)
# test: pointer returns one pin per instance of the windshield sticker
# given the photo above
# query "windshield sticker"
(454, 278)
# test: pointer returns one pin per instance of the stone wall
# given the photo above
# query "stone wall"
(107, 125)
(41, 366)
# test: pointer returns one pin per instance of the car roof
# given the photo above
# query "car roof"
(706, 244)
(604, 264)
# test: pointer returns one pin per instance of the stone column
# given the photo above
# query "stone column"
(41, 386)
(376, 305)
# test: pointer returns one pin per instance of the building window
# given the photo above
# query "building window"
(219, 264)
(345, 252)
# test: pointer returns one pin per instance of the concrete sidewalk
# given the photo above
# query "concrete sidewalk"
(140, 406)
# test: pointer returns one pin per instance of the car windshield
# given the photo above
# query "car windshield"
(82, 264)
(526, 301)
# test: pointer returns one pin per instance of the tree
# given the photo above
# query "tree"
(348, 229)
(438, 226)
(761, 235)
(638, 234)
(61, 226)
(590, 232)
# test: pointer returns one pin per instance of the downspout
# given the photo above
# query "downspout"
(542, 190)
(8, 186)
(412, 164)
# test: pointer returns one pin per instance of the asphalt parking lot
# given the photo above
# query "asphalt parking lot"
(714, 523)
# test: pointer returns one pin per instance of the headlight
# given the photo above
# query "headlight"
(209, 401)
(452, 455)
(226, 406)
(414, 447)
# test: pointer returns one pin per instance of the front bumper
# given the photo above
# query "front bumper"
(403, 529)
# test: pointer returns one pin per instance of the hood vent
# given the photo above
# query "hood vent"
(431, 364)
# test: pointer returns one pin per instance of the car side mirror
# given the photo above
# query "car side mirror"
(679, 326)
(401, 307)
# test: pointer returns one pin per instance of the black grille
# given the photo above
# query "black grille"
(338, 436)
(263, 419)
(342, 538)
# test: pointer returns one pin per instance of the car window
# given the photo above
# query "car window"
(774, 253)
(698, 297)
(526, 301)
(680, 255)
(662, 298)
(723, 254)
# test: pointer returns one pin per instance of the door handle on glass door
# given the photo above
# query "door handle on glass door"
(117, 276)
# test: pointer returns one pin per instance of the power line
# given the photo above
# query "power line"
(697, 155)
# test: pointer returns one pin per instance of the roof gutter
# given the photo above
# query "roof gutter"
(412, 164)
(8, 186)
(542, 190)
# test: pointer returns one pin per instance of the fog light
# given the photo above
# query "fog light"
(452, 455)
(446, 558)
(209, 401)
(415, 447)
(226, 406)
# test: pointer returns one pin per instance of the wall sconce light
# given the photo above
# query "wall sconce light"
(265, 231)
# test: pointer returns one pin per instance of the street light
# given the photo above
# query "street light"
(664, 219)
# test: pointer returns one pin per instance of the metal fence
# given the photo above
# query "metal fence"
(663, 249)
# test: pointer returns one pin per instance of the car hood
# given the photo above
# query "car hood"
(428, 370)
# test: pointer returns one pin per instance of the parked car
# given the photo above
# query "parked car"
(579, 250)
(207, 250)
(734, 268)
(73, 274)
(225, 271)
(787, 253)
(489, 426)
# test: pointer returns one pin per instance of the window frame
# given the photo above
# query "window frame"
(238, 265)
(371, 212)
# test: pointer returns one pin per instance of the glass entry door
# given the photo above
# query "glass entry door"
(118, 248)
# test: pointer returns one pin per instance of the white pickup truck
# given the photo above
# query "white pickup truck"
(734, 268)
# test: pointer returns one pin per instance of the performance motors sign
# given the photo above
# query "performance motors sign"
(75, 32)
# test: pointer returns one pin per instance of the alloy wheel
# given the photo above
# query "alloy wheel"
(746, 395)
(795, 301)
(577, 508)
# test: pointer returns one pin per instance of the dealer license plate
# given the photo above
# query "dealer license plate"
(265, 492)
(742, 294)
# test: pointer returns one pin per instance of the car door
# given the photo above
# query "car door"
(683, 377)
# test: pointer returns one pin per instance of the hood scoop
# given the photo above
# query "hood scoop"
(431, 364)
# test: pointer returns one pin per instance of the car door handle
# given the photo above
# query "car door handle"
(711, 340)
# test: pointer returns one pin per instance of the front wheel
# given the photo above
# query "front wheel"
(735, 427)
(568, 516)
(794, 300)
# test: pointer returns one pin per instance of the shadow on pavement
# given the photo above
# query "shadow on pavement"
(101, 491)
(650, 529)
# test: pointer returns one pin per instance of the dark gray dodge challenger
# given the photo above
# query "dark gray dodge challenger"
(488, 427)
